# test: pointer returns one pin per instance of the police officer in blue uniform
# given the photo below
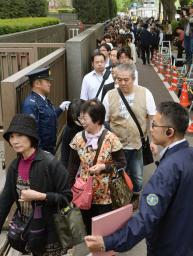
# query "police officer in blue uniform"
(39, 106)
(165, 216)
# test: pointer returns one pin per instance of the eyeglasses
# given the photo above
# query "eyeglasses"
(82, 119)
(153, 125)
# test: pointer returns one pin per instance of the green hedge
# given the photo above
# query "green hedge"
(23, 8)
(67, 10)
(93, 11)
(21, 24)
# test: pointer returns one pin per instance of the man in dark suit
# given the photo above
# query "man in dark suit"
(145, 39)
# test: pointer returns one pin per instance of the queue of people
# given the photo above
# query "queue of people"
(100, 119)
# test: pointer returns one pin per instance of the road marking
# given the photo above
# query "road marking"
(167, 85)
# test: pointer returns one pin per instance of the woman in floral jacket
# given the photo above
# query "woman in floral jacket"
(83, 149)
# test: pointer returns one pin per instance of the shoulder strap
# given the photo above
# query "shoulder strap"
(105, 77)
(100, 142)
(132, 115)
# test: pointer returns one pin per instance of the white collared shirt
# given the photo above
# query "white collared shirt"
(91, 83)
(150, 105)
(171, 146)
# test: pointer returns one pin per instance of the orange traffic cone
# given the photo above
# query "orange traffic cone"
(167, 74)
(174, 82)
(190, 127)
(160, 67)
(154, 58)
(157, 60)
(184, 101)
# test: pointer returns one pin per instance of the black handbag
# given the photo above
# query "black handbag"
(69, 226)
(146, 150)
(18, 225)
(28, 234)
(35, 234)
(121, 194)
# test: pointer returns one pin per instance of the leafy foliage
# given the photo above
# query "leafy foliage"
(16, 25)
(93, 11)
(23, 8)
(122, 5)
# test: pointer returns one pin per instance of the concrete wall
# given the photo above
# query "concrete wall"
(78, 51)
(64, 17)
(50, 34)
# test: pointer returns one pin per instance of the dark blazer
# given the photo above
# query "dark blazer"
(145, 37)
(166, 209)
(47, 175)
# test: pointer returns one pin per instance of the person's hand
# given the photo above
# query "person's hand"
(97, 168)
(64, 105)
(29, 195)
(154, 148)
(95, 243)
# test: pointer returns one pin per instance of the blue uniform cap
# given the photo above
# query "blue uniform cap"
(40, 73)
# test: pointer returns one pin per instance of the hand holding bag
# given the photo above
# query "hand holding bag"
(121, 189)
(70, 227)
(147, 153)
(82, 191)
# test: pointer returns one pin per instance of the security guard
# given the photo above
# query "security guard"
(39, 106)
(166, 205)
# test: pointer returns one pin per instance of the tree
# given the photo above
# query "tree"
(169, 9)
(37, 8)
(185, 2)
(112, 8)
(122, 5)
(93, 11)
(12, 8)
(23, 8)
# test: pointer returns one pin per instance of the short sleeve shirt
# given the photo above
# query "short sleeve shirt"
(101, 193)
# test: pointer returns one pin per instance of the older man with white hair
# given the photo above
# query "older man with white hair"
(141, 101)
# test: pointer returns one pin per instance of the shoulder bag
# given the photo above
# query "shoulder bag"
(69, 226)
(105, 77)
(28, 234)
(147, 154)
(81, 190)
(121, 189)
(18, 225)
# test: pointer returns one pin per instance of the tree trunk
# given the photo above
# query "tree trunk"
(169, 9)
(159, 13)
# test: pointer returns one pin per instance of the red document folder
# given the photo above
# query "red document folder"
(107, 223)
